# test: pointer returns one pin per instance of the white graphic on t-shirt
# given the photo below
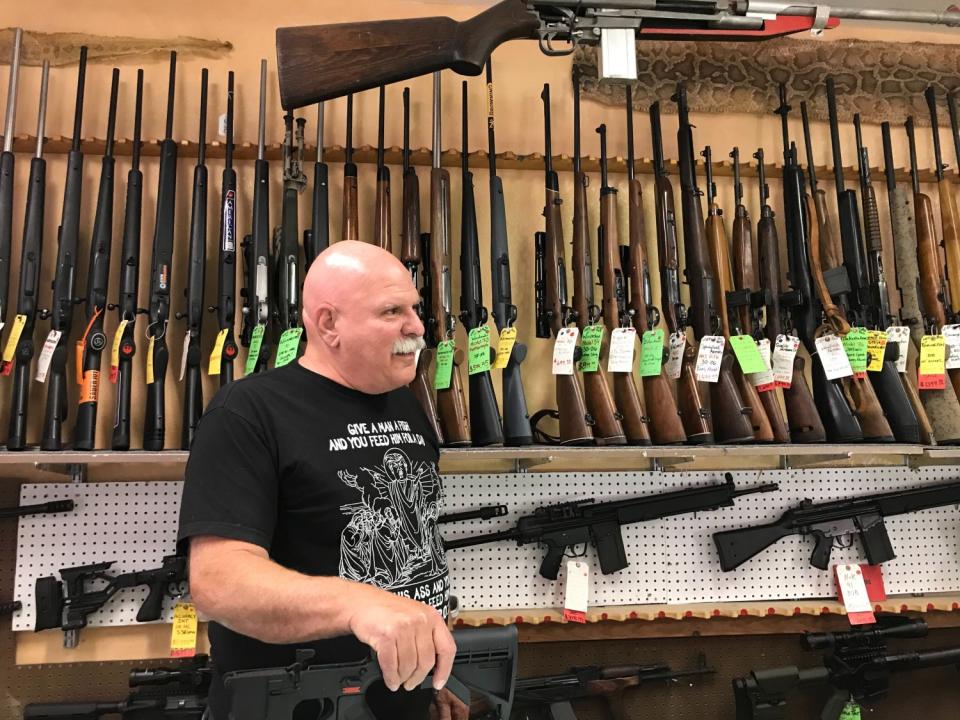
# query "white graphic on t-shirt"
(392, 539)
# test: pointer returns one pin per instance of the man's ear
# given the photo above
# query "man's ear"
(325, 319)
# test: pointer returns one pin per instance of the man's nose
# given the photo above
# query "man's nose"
(413, 325)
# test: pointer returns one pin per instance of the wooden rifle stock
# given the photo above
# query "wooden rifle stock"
(950, 220)
(422, 388)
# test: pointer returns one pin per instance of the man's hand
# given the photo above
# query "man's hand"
(447, 706)
(409, 638)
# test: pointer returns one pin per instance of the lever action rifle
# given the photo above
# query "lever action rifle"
(18, 351)
(6, 176)
(484, 413)
(316, 238)
(615, 313)
(666, 427)
(154, 424)
(351, 223)
(691, 398)
(516, 420)
(382, 234)
(286, 248)
(63, 298)
(554, 314)
(731, 417)
(127, 303)
(325, 61)
(98, 279)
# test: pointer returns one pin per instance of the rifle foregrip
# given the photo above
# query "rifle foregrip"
(121, 420)
(192, 406)
(155, 418)
(17, 437)
(56, 402)
(735, 547)
(550, 567)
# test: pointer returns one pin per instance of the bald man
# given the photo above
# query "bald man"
(312, 495)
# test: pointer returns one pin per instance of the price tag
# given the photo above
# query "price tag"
(288, 346)
(563, 350)
(709, 358)
(222, 125)
(852, 592)
(590, 344)
(900, 334)
(855, 346)
(623, 341)
(216, 355)
(876, 347)
(183, 356)
(253, 352)
(12, 339)
(933, 371)
(835, 362)
(505, 347)
(678, 343)
(764, 347)
(784, 353)
(150, 361)
(851, 711)
(46, 354)
(951, 336)
(443, 372)
(478, 350)
(576, 591)
(745, 348)
(183, 639)
(115, 351)
(651, 353)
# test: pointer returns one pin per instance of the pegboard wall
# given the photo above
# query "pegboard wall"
(671, 560)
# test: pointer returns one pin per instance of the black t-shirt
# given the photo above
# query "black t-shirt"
(331, 482)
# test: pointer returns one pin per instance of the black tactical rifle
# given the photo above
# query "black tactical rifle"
(286, 249)
(52, 506)
(316, 238)
(6, 176)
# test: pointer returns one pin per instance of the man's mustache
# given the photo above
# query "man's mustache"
(409, 345)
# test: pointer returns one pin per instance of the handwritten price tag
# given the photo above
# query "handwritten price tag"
(784, 353)
(563, 351)
(590, 349)
(709, 358)
(678, 343)
(651, 353)
(900, 334)
(623, 342)
(478, 350)
(933, 371)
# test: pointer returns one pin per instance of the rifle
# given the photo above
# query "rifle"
(126, 305)
(666, 426)
(154, 423)
(98, 280)
(615, 314)
(63, 299)
(939, 411)
(858, 667)
(516, 420)
(802, 416)
(728, 303)
(484, 413)
(227, 273)
(256, 249)
(826, 521)
(382, 234)
(6, 176)
(691, 401)
(316, 238)
(949, 216)
(731, 417)
(53, 506)
(326, 61)
(21, 343)
(351, 223)
(70, 611)
(451, 404)
(566, 525)
(607, 425)
(193, 292)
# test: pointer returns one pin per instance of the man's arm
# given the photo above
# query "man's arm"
(236, 584)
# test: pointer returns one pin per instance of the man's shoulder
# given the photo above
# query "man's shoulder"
(250, 395)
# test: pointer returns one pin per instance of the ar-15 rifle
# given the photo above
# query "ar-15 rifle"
(98, 279)
(484, 668)
(6, 176)
(516, 420)
(382, 234)
(666, 426)
(316, 238)
(692, 401)
(18, 351)
(566, 525)
(70, 611)
(350, 220)
(827, 521)
(127, 306)
(857, 666)
(326, 61)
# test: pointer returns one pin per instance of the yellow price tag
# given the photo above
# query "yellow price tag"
(115, 350)
(217, 354)
(150, 361)
(505, 347)
(183, 639)
(933, 363)
(14, 337)
(876, 347)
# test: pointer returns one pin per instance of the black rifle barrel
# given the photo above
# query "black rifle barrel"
(6, 174)
(931, 98)
(227, 273)
(53, 506)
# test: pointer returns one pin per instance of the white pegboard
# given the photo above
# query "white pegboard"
(671, 561)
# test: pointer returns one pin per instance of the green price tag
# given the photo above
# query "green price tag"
(444, 369)
(253, 352)
(851, 711)
(478, 350)
(590, 348)
(651, 353)
(288, 346)
(748, 354)
(855, 345)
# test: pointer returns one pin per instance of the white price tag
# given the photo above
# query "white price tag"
(563, 349)
(900, 334)
(764, 347)
(183, 356)
(709, 358)
(951, 336)
(853, 593)
(623, 342)
(678, 343)
(46, 354)
(222, 125)
(576, 591)
(784, 353)
(834, 358)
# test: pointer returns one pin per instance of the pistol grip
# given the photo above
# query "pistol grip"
(821, 551)
(550, 567)
(153, 606)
